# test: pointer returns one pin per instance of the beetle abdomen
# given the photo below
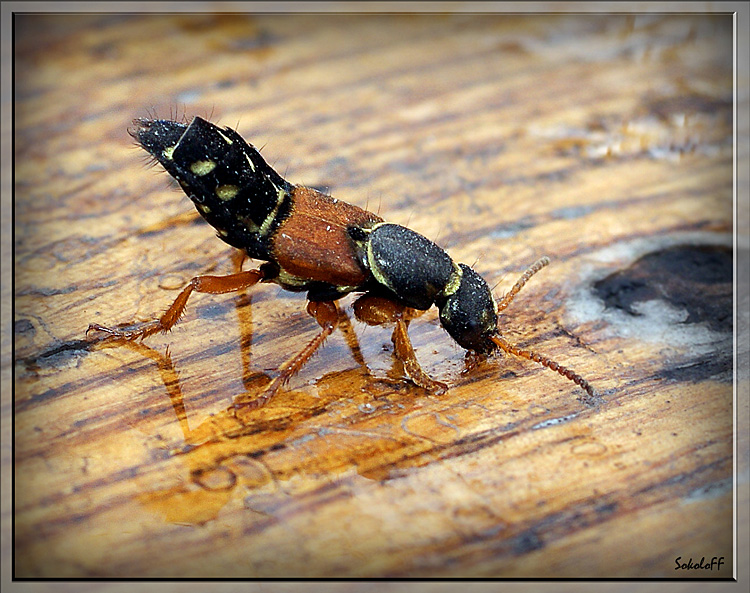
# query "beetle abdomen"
(229, 182)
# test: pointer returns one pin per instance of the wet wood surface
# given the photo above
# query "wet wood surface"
(603, 142)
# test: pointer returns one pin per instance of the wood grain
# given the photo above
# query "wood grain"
(595, 140)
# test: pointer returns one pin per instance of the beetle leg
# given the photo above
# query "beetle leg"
(238, 258)
(326, 313)
(405, 352)
(345, 325)
(375, 310)
(209, 284)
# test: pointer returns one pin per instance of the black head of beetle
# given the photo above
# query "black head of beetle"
(469, 314)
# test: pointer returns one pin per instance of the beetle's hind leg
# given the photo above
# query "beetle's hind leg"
(209, 284)
(375, 310)
(326, 313)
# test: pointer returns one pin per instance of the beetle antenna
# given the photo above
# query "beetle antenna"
(544, 361)
(530, 354)
(533, 269)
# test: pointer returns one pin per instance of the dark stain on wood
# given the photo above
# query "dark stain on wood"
(696, 278)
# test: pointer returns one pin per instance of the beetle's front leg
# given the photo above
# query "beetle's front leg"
(209, 284)
(375, 310)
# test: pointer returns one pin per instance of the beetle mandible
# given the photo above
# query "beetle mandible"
(311, 242)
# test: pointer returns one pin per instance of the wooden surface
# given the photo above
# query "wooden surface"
(594, 140)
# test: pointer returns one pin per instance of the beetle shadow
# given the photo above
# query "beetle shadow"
(226, 424)
(225, 455)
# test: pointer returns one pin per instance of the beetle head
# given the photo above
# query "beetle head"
(469, 313)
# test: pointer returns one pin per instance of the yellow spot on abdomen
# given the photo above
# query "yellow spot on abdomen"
(226, 192)
(201, 168)
(167, 152)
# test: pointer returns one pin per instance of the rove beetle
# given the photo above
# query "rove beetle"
(311, 242)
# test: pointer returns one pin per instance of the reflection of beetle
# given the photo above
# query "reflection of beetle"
(314, 243)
